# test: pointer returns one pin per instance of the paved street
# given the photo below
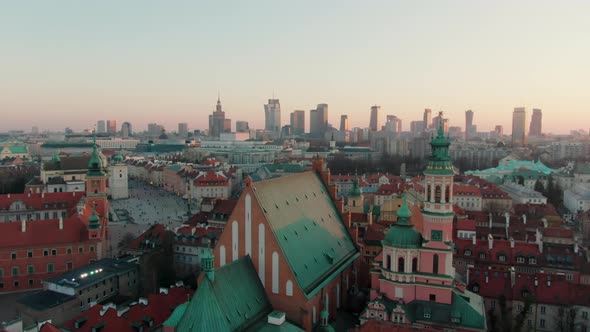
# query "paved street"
(145, 206)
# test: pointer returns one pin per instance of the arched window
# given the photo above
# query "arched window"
(437, 193)
(435, 264)
(428, 195)
(415, 264)
(388, 262)
(447, 194)
(400, 264)
(289, 288)
(353, 203)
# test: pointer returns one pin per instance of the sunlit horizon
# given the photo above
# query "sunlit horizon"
(72, 64)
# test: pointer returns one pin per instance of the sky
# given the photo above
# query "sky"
(70, 63)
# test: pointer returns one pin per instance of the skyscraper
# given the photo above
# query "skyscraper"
(318, 121)
(242, 127)
(272, 117)
(499, 130)
(427, 118)
(112, 127)
(436, 123)
(417, 126)
(393, 124)
(100, 127)
(468, 124)
(297, 122)
(344, 125)
(519, 137)
(126, 130)
(217, 123)
(183, 129)
(374, 121)
(536, 128)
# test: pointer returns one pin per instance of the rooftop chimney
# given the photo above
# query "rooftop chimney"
(490, 220)
(23, 226)
(473, 239)
(490, 241)
(61, 223)
(524, 218)
(507, 216)
(276, 318)
(511, 243)
(576, 248)
(143, 300)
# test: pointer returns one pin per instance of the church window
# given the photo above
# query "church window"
(388, 262)
(437, 193)
(447, 194)
(415, 264)
(400, 264)
(289, 288)
(435, 264)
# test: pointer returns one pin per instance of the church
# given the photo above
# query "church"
(413, 279)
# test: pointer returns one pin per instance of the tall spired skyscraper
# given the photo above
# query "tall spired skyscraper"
(374, 121)
(272, 116)
(519, 137)
(217, 122)
(536, 128)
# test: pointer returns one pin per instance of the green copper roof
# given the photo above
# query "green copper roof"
(93, 221)
(177, 314)
(403, 234)
(464, 311)
(18, 149)
(355, 192)
(439, 161)
(301, 214)
(55, 158)
(235, 301)
(118, 158)
(95, 164)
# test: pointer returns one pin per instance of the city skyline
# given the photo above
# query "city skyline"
(160, 63)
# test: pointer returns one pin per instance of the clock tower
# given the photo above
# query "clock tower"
(96, 203)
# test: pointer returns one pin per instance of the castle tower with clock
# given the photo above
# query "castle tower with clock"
(96, 208)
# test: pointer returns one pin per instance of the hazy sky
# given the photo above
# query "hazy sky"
(70, 63)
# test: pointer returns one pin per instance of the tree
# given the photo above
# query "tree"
(566, 318)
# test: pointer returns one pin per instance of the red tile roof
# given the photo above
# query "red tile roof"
(211, 178)
(225, 206)
(558, 232)
(389, 189)
(48, 327)
(156, 233)
(465, 190)
(465, 225)
(159, 308)
(42, 232)
(37, 201)
(387, 326)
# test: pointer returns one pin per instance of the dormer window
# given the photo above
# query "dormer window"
(482, 255)
(502, 258)
(532, 260)
(520, 259)
(467, 252)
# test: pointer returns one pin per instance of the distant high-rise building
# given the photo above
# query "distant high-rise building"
(436, 123)
(126, 130)
(374, 121)
(217, 121)
(318, 121)
(154, 130)
(536, 128)
(242, 126)
(272, 117)
(417, 126)
(469, 125)
(519, 137)
(100, 127)
(183, 129)
(112, 127)
(499, 130)
(427, 118)
(344, 125)
(393, 124)
(297, 122)
(35, 130)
